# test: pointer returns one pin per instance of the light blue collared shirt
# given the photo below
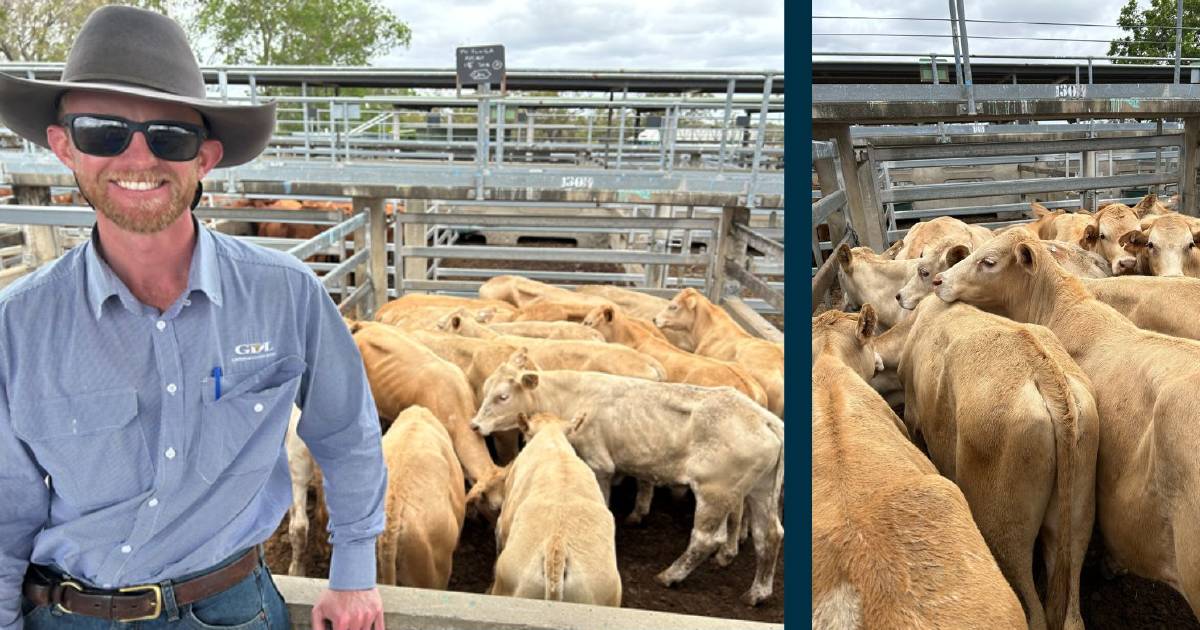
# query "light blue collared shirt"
(150, 475)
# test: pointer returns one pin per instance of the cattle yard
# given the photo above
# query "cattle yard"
(910, 155)
(653, 182)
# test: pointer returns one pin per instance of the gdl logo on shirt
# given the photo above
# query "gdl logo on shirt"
(256, 350)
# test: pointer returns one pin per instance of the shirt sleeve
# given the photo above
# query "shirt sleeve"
(23, 513)
(340, 425)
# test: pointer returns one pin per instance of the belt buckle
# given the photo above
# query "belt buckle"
(154, 588)
(64, 584)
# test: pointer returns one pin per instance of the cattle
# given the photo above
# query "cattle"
(893, 542)
(520, 291)
(555, 537)
(1006, 414)
(304, 474)
(402, 372)
(938, 257)
(1165, 246)
(639, 305)
(460, 322)
(868, 278)
(425, 502)
(1163, 305)
(1077, 260)
(681, 367)
(716, 335)
(419, 311)
(929, 232)
(724, 447)
(1148, 476)
(1106, 235)
(559, 309)
(478, 358)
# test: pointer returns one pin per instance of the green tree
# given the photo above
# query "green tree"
(307, 32)
(37, 30)
(1151, 31)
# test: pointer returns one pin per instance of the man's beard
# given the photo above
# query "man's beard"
(148, 217)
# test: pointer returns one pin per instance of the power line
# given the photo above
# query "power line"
(1041, 39)
(918, 19)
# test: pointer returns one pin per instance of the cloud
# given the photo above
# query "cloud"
(601, 34)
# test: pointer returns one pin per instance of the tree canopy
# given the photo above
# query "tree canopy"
(36, 30)
(1150, 32)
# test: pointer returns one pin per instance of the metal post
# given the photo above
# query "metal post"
(958, 69)
(377, 244)
(1158, 165)
(1189, 161)
(1089, 70)
(1178, 36)
(1088, 197)
(307, 128)
(966, 56)
(346, 127)
(933, 67)
(862, 210)
(500, 113)
(481, 133)
(725, 124)
(621, 128)
(412, 235)
(673, 119)
(751, 202)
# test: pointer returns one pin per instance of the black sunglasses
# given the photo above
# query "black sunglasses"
(106, 136)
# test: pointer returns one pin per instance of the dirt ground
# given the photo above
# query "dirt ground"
(642, 551)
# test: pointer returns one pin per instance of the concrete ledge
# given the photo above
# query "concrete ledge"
(418, 609)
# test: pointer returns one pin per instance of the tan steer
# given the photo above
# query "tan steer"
(1165, 305)
(1010, 418)
(461, 322)
(1148, 475)
(1166, 246)
(555, 537)
(719, 443)
(1106, 235)
(716, 335)
(425, 502)
(926, 233)
(868, 278)
(893, 542)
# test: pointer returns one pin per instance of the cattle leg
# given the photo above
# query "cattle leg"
(1187, 559)
(298, 533)
(385, 549)
(729, 550)
(641, 505)
(709, 530)
(768, 538)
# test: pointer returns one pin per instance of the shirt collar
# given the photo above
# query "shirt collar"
(102, 283)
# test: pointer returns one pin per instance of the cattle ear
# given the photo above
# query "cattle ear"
(866, 322)
(1090, 235)
(1196, 237)
(608, 313)
(844, 256)
(484, 315)
(1133, 239)
(519, 358)
(529, 380)
(956, 254)
(1026, 256)
(1145, 205)
(890, 252)
(455, 322)
(1039, 210)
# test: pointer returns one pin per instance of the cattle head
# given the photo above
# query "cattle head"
(1166, 247)
(1012, 275)
(680, 313)
(509, 392)
(1150, 205)
(487, 495)
(601, 319)
(1078, 260)
(1043, 226)
(937, 258)
(849, 337)
(1104, 234)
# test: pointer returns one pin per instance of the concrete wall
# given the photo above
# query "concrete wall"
(418, 609)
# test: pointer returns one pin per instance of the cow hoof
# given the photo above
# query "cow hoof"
(633, 519)
(723, 559)
(666, 581)
(753, 597)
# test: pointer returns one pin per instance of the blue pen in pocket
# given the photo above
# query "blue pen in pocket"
(216, 374)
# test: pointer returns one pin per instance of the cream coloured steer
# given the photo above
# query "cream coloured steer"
(893, 542)
(1007, 415)
(1147, 474)
(1165, 305)
(719, 443)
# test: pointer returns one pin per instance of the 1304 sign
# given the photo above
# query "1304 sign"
(1070, 91)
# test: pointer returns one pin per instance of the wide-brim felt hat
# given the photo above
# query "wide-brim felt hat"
(126, 50)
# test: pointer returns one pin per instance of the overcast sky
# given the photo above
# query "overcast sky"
(1059, 11)
(602, 34)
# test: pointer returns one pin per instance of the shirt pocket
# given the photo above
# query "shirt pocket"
(243, 431)
(94, 452)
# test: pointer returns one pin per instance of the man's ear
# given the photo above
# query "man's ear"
(866, 322)
(1026, 257)
(844, 256)
(209, 156)
(956, 254)
(59, 140)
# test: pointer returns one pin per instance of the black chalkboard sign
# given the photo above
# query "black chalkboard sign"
(479, 65)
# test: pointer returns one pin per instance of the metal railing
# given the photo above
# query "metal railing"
(832, 211)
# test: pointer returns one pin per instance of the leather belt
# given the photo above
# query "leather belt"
(135, 603)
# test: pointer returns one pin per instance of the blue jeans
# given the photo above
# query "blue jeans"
(252, 604)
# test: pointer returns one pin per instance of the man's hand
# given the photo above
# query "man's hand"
(348, 610)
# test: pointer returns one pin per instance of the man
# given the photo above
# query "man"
(147, 376)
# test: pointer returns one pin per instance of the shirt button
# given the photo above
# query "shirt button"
(258, 407)
(171, 388)
(170, 453)
(153, 503)
(126, 549)
(161, 324)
